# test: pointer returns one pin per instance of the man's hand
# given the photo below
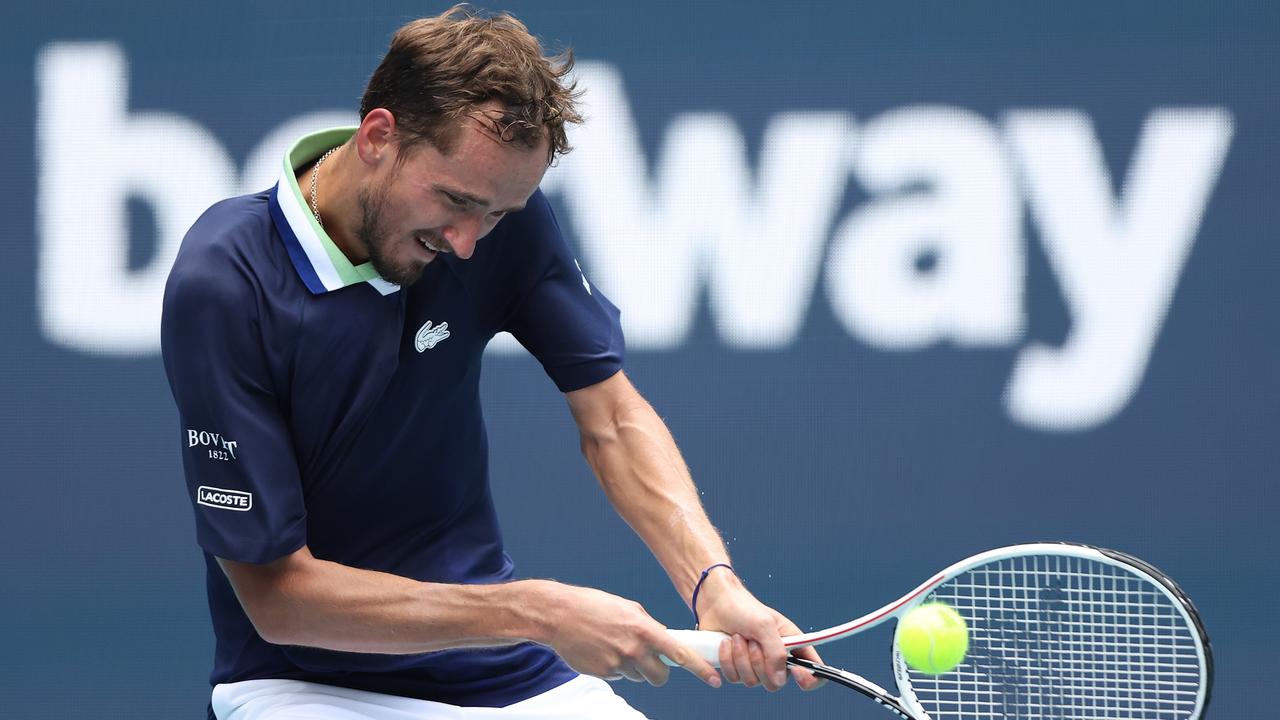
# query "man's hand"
(611, 637)
(753, 654)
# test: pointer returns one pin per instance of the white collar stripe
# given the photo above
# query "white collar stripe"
(307, 239)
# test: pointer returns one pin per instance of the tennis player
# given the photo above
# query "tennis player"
(323, 341)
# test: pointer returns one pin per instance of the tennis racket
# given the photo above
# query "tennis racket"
(1056, 631)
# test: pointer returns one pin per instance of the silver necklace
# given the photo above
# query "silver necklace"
(315, 206)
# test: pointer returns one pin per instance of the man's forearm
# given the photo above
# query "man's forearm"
(637, 462)
(647, 481)
(302, 600)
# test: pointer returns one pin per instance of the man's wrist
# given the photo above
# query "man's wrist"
(536, 606)
(718, 584)
(724, 567)
(717, 580)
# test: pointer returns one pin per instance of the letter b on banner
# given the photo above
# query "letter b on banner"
(94, 155)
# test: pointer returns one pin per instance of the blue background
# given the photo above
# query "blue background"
(840, 474)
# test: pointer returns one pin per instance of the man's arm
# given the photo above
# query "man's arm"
(641, 470)
(302, 600)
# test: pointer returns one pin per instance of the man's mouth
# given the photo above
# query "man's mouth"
(431, 244)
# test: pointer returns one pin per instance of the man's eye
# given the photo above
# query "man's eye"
(456, 200)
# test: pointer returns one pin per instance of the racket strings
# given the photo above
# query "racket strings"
(1061, 638)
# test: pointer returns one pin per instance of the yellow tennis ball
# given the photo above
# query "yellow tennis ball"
(932, 638)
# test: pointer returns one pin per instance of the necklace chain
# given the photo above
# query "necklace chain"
(315, 171)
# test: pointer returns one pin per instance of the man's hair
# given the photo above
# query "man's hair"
(440, 69)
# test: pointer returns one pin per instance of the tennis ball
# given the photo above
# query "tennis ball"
(932, 638)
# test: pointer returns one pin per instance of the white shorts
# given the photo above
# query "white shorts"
(582, 697)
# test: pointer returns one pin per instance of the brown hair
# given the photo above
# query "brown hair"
(442, 68)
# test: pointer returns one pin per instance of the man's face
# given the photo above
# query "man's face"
(434, 203)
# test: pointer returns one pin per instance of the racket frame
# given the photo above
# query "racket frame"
(908, 705)
(1114, 558)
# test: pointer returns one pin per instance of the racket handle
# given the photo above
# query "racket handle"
(704, 643)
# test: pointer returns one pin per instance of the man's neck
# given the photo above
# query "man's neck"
(336, 207)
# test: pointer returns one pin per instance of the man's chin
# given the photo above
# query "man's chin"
(401, 275)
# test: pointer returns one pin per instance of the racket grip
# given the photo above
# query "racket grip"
(704, 643)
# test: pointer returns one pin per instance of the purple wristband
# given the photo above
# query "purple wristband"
(693, 603)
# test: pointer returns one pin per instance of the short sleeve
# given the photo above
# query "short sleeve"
(241, 473)
(567, 323)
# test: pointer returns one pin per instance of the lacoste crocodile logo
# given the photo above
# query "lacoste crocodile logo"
(429, 336)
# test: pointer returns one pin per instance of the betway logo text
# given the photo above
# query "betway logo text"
(942, 182)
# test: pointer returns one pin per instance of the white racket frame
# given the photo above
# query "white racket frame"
(706, 643)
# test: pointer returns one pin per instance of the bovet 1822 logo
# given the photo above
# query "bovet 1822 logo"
(225, 499)
(219, 446)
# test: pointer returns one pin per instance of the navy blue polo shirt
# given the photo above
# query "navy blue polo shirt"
(322, 405)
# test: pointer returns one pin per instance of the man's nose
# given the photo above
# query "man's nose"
(462, 236)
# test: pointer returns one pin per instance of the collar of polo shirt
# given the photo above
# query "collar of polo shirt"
(316, 257)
